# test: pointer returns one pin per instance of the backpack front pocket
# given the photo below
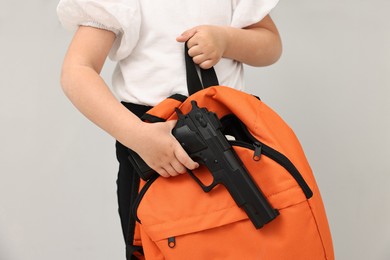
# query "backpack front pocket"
(178, 206)
(291, 236)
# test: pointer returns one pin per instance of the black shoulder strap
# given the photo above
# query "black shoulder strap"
(194, 83)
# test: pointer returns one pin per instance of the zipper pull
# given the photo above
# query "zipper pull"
(257, 154)
(171, 242)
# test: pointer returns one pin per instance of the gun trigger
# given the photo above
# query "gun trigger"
(197, 180)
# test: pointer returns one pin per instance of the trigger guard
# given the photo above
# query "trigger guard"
(201, 184)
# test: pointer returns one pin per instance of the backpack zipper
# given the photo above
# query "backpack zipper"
(171, 242)
(257, 147)
(260, 148)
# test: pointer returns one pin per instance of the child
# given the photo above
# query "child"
(146, 38)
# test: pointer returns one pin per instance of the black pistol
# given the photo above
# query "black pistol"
(199, 133)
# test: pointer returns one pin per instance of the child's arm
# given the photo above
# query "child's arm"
(255, 45)
(88, 92)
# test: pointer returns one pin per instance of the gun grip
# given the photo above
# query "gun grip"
(189, 140)
(143, 170)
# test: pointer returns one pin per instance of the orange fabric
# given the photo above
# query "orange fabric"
(210, 225)
(165, 113)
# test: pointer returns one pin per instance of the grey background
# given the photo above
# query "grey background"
(58, 171)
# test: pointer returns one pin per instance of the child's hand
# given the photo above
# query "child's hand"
(161, 151)
(206, 44)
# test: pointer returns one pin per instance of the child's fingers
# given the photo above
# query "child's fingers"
(207, 64)
(185, 159)
(204, 61)
(170, 170)
(195, 51)
(178, 167)
(162, 172)
(199, 58)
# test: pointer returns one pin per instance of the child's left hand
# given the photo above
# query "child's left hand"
(206, 44)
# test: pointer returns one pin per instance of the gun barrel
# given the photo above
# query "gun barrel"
(250, 198)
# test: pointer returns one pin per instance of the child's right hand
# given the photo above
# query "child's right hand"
(161, 151)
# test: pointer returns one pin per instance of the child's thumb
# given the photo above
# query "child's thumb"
(185, 36)
(171, 123)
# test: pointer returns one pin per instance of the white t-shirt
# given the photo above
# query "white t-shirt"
(150, 61)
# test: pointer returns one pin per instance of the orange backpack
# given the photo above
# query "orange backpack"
(179, 220)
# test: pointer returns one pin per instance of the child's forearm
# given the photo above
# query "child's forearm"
(90, 95)
(257, 45)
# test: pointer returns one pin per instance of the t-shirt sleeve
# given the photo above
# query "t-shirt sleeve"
(119, 16)
(248, 12)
